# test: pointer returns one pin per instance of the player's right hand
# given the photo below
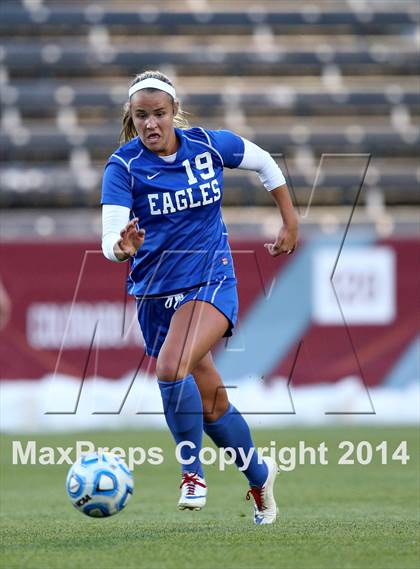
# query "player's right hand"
(131, 240)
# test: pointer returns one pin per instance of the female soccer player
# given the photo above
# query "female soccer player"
(161, 204)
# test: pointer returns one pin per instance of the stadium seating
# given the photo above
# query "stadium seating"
(300, 79)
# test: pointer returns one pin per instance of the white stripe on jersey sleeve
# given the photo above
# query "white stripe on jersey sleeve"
(259, 160)
(114, 218)
(206, 145)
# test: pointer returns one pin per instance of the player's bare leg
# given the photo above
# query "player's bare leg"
(210, 385)
(195, 328)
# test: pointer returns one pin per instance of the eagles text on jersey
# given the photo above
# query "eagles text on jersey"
(179, 206)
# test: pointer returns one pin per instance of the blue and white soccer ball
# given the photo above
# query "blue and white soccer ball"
(99, 484)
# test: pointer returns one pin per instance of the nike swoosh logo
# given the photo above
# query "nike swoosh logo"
(195, 497)
(154, 176)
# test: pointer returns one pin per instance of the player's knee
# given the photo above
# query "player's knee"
(167, 370)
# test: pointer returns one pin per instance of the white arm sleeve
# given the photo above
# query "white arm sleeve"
(114, 218)
(259, 160)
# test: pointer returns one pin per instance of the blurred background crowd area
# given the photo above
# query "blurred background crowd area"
(301, 79)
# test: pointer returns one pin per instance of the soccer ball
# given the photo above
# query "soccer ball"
(99, 484)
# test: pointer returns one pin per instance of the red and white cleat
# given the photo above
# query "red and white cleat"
(265, 507)
(193, 492)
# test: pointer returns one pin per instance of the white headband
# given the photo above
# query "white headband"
(152, 84)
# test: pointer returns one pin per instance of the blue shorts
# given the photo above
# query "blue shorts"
(155, 313)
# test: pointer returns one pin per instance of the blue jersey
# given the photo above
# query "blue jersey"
(179, 206)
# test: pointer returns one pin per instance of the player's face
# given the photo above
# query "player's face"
(153, 118)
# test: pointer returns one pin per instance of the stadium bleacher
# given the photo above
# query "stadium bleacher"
(300, 79)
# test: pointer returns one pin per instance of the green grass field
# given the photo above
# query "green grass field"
(330, 516)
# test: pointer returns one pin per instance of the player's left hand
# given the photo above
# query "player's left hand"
(286, 241)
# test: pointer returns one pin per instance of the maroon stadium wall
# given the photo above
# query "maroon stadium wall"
(70, 314)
